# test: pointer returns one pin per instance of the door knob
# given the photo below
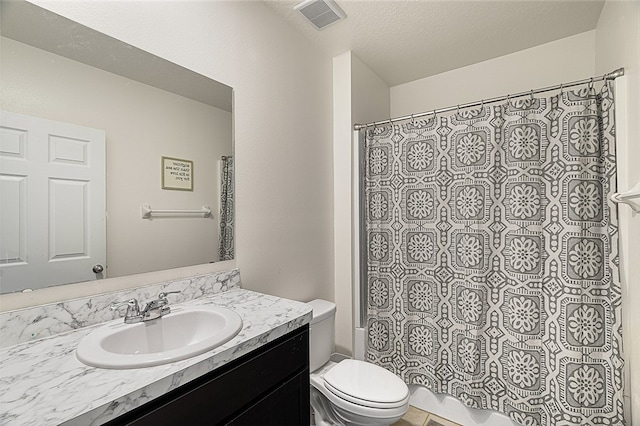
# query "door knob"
(98, 269)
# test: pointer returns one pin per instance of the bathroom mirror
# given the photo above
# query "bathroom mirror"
(149, 110)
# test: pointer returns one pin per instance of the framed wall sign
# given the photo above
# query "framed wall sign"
(177, 174)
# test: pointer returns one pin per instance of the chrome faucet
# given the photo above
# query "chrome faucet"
(152, 310)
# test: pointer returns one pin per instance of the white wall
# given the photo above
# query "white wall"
(342, 195)
(567, 59)
(371, 96)
(129, 113)
(359, 95)
(283, 136)
(618, 45)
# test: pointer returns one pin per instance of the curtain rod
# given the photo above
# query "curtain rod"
(610, 76)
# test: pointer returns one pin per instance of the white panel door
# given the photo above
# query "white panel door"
(52, 202)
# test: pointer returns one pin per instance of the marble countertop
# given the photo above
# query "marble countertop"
(43, 383)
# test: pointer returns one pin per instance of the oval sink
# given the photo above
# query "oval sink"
(181, 334)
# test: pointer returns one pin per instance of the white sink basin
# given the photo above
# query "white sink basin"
(181, 334)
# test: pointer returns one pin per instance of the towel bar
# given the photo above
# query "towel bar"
(147, 211)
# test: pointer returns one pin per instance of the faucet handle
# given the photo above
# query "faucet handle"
(132, 305)
(164, 294)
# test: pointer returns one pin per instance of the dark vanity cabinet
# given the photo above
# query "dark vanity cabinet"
(268, 386)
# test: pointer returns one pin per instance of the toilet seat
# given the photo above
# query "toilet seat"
(362, 402)
(366, 384)
(347, 408)
(346, 402)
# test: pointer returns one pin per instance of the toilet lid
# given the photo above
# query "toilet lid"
(362, 381)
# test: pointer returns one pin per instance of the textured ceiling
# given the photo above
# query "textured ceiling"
(404, 40)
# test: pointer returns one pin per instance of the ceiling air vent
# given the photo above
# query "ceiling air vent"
(321, 13)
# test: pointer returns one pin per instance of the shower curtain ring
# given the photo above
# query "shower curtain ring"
(532, 98)
(413, 121)
(457, 110)
(591, 85)
(562, 88)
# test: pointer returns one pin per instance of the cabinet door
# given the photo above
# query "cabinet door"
(288, 405)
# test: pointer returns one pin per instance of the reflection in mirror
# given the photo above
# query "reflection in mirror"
(65, 90)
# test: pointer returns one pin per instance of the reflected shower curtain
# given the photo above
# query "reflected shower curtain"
(226, 248)
(492, 257)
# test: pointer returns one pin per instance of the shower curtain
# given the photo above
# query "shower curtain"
(492, 259)
(226, 247)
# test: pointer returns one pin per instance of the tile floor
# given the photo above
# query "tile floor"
(417, 417)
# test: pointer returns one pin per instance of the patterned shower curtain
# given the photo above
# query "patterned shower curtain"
(226, 248)
(493, 260)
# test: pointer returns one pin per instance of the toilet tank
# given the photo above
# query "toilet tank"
(321, 332)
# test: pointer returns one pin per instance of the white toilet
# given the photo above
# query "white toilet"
(349, 392)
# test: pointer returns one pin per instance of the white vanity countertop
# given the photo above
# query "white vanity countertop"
(43, 383)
